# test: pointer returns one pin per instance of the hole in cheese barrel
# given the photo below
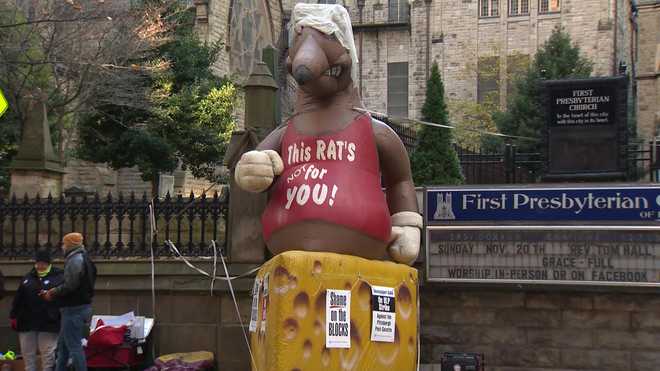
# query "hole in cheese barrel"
(364, 296)
(301, 305)
(355, 334)
(290, 329)
(319, 304)
(318, 267)
(317, 328)
(293, 282)
(307, 349)
(404, 301)
(325, 357)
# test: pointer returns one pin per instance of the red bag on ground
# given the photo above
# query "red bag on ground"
(106, 336)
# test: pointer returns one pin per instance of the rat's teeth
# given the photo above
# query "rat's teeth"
(334, 71)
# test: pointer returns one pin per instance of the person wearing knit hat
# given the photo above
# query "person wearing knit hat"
(71, 240)
(37, 321)
(74, 296)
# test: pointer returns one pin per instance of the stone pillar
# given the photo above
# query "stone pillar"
(648, 69)
(36, 170)
(270, 57)
(245, 240)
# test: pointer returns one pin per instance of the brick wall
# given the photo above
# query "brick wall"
(541, 331)
(218, 22)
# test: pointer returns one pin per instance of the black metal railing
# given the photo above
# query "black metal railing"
(114, 226)
(508, 166)
(644, 161)
(406, 133)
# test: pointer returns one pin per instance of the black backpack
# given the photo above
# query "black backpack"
(90, 274)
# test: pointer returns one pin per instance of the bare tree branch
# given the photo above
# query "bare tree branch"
(52, 20)
(80, 56)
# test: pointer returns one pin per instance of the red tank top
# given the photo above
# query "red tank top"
(334, 178)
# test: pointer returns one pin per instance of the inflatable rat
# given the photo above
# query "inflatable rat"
(323, 168)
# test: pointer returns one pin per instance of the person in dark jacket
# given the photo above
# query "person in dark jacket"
(74, 296)
(36, 320)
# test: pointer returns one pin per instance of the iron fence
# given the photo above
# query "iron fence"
(644, 161)
(508, 166)
(406, 133)
(114, 226)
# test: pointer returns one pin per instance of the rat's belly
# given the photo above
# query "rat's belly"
(326, 237)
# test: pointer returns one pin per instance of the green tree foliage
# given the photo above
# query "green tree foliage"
(188, 122)
(469, 115)
(434, 161)
(556, 59)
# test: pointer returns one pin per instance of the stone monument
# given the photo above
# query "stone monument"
(36, 170)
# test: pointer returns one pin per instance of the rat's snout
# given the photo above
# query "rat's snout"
(309, 62)
(302, 74)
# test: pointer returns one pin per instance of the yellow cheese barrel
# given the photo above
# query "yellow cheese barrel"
(288, 325)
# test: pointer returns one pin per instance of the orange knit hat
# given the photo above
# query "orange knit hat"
(72, 240)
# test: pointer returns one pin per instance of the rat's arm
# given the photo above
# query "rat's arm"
(395, 166)
(401, 199)
(257, 169)
(273, 141)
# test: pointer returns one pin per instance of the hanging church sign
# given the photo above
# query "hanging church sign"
(577, 235)
(586, 126)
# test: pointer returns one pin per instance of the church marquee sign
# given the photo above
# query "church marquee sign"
(570, 235)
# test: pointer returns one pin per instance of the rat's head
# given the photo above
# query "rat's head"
(322, 56)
